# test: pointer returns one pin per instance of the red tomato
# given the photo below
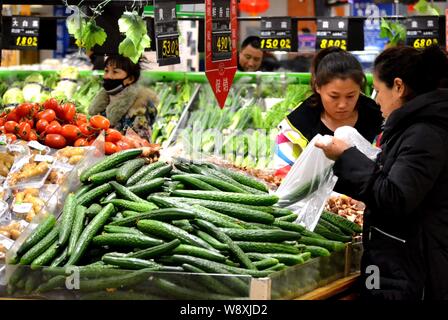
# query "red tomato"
(85, 129)
(24, 130)
(81, 142)
(48, 115)
(110, 148)
(71, 132)
(33, 135)
(68, 111)
(11, 136)
(123, 145)
(113, 135)
(11, 127)
(56, 141)
(24, 110)
(2, 121)
(13, 116)
(54, 127)
(51, 104)
(41, 125)
(100, 122)
(80, 119)
(29, 121)
(36, 109)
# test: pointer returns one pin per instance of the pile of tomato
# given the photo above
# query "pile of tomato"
(59, 125)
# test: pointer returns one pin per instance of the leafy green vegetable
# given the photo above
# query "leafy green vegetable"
(394, 31)
(13, 96)
(425, 8)
(137, 40)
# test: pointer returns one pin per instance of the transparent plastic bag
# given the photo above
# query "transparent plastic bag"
(29, 171)
(308, 184)
(351, 136)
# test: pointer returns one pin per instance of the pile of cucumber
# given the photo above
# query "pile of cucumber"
(182, 217)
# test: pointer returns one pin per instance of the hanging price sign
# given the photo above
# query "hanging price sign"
(276, 34)
(424, 31)
(24, 33)
(345, 33)
(166, 33)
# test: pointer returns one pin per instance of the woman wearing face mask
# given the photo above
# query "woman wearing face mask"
(405, 233)
(123, 101)
(337, 83)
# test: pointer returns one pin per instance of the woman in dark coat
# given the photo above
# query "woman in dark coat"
(406, 189)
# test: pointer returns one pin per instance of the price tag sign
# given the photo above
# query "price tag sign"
(220, 47)
(345, 33)
(24, 33)
(276, 34)
(422, 31)
(166, 33)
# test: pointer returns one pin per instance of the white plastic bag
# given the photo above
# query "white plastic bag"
(351, 136)
(308, 184)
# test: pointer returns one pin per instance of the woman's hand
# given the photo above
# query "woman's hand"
(334, 149)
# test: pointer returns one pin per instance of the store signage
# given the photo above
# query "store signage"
(24, 33)
(220, 46)
(276, 34)
(422, 31)
(345, 33)
(166, 33)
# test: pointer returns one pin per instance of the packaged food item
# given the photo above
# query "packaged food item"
(12, 229)
(27, 204)
(346, 207)
(71, 155)
(29, 171)
(38, 148)
(5, 244)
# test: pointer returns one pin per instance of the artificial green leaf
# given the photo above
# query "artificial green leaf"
(92, 35)
(137, 40)
(127, 49)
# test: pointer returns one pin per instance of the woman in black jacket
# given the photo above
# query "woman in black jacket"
(406, 189)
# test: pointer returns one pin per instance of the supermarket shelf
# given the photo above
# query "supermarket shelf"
(333, 289)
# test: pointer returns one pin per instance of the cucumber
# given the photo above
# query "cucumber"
(110, 162)
(265, 263)
(143, 189)
(267, 247)
(278, 267)
(297, 228)
(130, 263)
(166, 214)
(228, 179)
(286, 258)
(183, 224)
(331, 235)
(331, 227)
(68, 217)
(228, 197)
(104, 176)
(193, 181)
(317, 251)
(125, 240)
(305, 256)
(155, 251)
(126, 280)
(117, 295)
(210, 282)
(128, 169)
(53, 283)
(143, 171)
(221, 236)
(46, 257)
(40, 247)
(289, 218)
(199, 252)
(60, 259)
(233, 210)
(212, 241)
(328, 244)
(125, 193)
(156, 173)
(83, 189)
(170, 232)
(78, 225)
(254, 225)
(89, 232)
(94, 194)
(118, 229)
(131, 205)
(262, 235)
(244, 179)
(341, 222)
(44, 227)
(128, 213)
(218, 184)
(32, 282)
(93, 210)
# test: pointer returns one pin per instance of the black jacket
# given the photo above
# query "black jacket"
(406, 192)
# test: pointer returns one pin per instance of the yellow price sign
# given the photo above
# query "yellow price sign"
(326, 43)
(26, 41)
(276, 44)
(423, 43)
(170, 48)
(223, 44)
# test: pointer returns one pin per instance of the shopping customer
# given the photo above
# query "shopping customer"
(405, 234)
(123, 100)
(337, 82)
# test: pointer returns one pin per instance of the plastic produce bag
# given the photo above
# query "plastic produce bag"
(351, 136)
(308, 184)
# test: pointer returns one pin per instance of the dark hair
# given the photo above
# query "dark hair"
(422, 71)
(254, 41)
(131, 68)
(335, 63)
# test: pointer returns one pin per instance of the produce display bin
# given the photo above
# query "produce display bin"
(74, 284)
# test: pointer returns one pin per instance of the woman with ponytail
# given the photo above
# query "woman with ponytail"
(405, 234)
